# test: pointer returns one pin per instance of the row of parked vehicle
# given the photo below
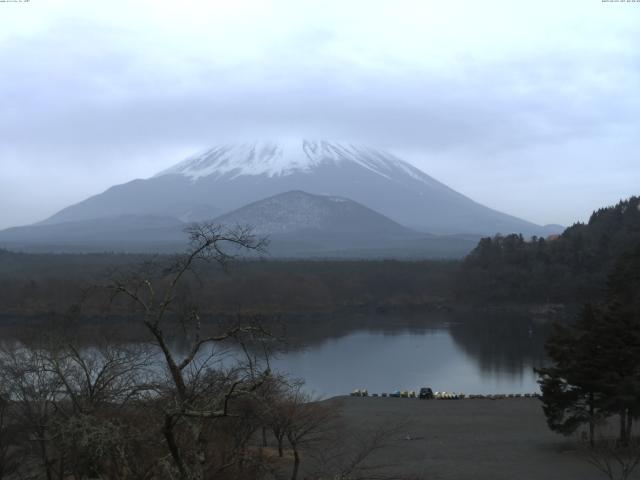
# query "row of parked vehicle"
(500, 396)
(426, 393)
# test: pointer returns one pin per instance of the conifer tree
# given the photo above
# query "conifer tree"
(596, 362)
(572, 387)
(619, 335)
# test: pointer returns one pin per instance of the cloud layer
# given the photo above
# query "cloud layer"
(532, 110)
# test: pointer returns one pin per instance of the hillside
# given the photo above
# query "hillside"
(298, 212)
(573, 266)
(299, 224)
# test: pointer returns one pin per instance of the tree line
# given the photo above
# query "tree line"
(564, 269)
(39, 284)
(501, 269)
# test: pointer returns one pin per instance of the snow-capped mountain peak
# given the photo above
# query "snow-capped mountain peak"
(226, 178)
(285, 158)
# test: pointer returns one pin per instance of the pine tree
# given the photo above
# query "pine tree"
(620, 339)
(572, 388)
(596, 362)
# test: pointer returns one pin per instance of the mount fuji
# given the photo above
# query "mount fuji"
(311, 197)
(228, 177)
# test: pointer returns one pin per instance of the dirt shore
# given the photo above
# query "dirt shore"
(469, 439)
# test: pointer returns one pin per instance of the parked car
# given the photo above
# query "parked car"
(425, 394)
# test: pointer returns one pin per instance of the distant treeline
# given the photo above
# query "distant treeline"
(33, 284)
(504, 269)
(572, 267)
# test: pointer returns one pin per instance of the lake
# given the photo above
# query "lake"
(471, 353)
(474, 356)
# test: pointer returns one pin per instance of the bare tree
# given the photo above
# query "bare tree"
(8, 454)
(68, 405)
(108, 374)
(274, 411)
(351, 455)
(615, 460)
(307, 423)
(33, 393)
(99, 386)
(195, 392)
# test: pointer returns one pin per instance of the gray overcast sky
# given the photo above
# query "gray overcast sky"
(532, 108)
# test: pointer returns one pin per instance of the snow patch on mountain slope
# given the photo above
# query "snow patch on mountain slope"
(286, 158)
(296, 211)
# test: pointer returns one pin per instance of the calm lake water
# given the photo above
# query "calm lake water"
(470, 353)
(473, 357)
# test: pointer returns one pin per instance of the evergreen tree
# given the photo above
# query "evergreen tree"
(596, 362)
(619, 335)
(568, 268)
(572, 387)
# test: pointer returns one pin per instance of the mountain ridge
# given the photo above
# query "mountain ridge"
(228, 177)
(298, 225)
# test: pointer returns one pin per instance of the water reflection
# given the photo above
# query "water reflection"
(477, 354)
(466, 352)
(502, 341)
